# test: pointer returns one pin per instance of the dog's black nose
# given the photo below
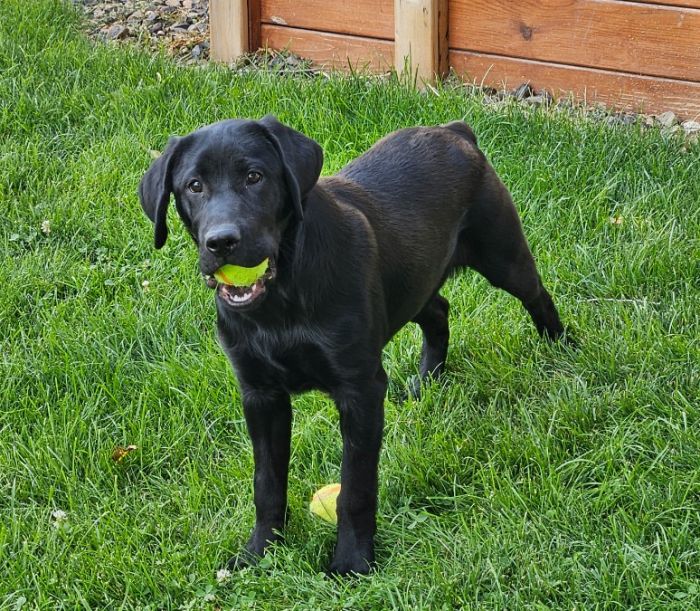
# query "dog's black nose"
(222, 240)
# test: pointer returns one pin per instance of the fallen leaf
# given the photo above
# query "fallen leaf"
(120, 452)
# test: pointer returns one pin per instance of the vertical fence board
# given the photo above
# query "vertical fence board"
(416, 38)
(228, 24)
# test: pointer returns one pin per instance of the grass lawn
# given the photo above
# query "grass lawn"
(533, 477)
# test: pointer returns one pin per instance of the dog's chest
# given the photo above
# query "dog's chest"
(296, 358)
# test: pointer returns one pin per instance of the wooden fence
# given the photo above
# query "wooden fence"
(636, 55)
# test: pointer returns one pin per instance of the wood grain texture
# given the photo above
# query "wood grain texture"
(254, 22)
(645, 39)
(416, 39)
(333, 50)
(371, 18)
(624, 91)
(228, 29)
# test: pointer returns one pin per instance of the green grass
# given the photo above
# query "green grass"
(534, 477)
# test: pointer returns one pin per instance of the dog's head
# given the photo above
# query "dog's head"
(236, 184)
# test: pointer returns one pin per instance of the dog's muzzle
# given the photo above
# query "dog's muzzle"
(242, 297)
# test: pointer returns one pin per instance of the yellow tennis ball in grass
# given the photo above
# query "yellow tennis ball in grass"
(236, 275)
(324, 503)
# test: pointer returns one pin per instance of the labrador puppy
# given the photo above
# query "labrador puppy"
(353, 258)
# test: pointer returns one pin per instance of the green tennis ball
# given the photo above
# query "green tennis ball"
(236, 275)
(324, 503)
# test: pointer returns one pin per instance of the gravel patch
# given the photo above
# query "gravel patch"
(179, 27)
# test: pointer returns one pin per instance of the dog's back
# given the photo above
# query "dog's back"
(412, 166)
(414, 187)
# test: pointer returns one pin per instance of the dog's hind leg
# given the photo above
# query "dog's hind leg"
(493, 244)
(511, 267)
(432, 320)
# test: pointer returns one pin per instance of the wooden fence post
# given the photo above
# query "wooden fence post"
(420, 41)
(228, 29)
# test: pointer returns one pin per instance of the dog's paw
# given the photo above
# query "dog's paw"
(562, 336)
(413, 388)
(251, 555)
(566, 337)
(569, 340)
(346, 565)
(243, 560)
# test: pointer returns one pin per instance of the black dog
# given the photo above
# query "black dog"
(353, 258)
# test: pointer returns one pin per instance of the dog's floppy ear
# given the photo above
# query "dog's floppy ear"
(301, 157)
(155, 188)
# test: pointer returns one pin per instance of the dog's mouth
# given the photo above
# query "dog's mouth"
(243, 297)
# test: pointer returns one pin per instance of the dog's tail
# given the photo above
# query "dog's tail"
(461, 128)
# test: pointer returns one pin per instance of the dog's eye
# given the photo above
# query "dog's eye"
(253, 177)
(195, 186)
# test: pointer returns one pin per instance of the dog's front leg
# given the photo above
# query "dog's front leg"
(268, 416)
(361, 408)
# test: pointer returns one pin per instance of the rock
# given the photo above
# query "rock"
(524, 91)
(541, 99)
(690, 127)
(599, 111)
(621, 118)
(117, 32)
(565, 104)
(174, 3)
(535, 100)
(667, 119)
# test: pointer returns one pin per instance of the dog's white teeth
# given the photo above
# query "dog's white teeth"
(240, 298)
